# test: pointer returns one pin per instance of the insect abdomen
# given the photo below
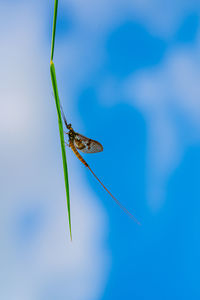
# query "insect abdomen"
(77, 153)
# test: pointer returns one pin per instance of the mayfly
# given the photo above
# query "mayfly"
(86, 145)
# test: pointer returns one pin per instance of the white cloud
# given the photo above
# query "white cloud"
(44, 261)
(162, 18)
(168, 96)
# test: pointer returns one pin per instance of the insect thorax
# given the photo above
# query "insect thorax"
(71, 134)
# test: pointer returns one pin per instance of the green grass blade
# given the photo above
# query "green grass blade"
(55, 90)
(54, 28)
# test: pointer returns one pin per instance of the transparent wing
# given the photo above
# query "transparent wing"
(86, 145)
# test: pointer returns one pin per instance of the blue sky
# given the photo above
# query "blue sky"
(128, 76)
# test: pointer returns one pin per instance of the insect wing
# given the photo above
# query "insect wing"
(87, 145)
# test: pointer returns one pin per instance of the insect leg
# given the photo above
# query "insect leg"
(63, 115)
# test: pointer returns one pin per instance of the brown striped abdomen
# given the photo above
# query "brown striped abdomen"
(71, 144)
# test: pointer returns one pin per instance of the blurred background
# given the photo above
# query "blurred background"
(128, 75)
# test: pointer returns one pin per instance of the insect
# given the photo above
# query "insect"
(86, 145)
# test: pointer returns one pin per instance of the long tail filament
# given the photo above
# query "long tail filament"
(117, 201)
(87, 166)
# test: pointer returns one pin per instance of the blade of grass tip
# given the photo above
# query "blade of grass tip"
(55, 90)
(54, 28)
